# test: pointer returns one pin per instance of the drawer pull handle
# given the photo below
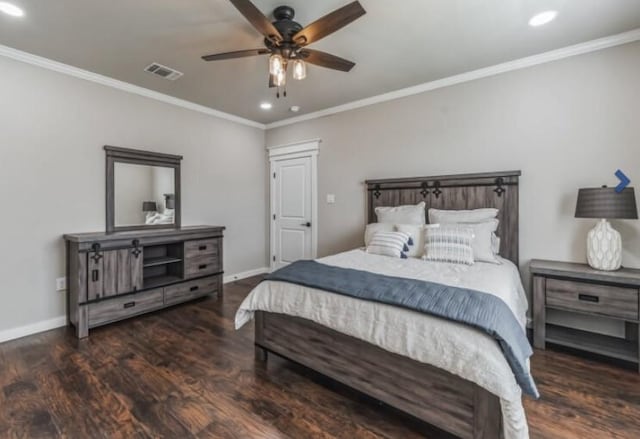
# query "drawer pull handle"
(202, 267)
(95, 275)
(588, 298)
(202, 247)
(193, 289)
(129, 305)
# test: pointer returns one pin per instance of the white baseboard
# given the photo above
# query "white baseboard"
(245, 274)
(34, 328)
(57, 322)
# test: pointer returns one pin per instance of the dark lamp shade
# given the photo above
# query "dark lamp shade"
(170, 201)
(605, 202)
(149, 206)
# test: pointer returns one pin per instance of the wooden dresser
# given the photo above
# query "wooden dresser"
(119, 275)
(578, 288)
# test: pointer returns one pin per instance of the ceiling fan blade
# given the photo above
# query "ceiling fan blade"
(329, 23)
(327, 60)
(236, 54)
(257, 20)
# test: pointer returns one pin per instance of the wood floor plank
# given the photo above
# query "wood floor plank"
(185, 372)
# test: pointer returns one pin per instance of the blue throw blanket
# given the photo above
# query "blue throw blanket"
(474, 308)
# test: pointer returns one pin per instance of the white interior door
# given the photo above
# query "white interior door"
(292, 209)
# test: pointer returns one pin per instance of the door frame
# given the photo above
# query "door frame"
(306, 148)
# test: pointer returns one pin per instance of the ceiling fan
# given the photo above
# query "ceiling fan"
(286, 41)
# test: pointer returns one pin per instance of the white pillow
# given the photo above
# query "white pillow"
(394, 244)
(448, 243)
(437, 216)
(483, 242)
(373, 228)
(402, 214)
(416, 232)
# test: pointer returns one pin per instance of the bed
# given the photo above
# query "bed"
(442, 372)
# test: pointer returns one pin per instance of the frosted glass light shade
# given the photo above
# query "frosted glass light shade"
(276, 64)
(280, 78)
(299, 69)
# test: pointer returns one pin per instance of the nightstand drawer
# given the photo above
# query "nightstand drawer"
(603, 300)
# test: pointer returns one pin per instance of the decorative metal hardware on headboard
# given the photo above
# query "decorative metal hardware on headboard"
(436, 189)
(425, 189)
(499, 186)
(376, 191)
(456, 192)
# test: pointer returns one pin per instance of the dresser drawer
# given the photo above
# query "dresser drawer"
(604, 300)
(201, 247)
(191, 290)
(122, 307)
(202, 266)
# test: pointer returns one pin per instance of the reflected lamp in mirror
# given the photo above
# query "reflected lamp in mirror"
(169, 201)
(604, 244)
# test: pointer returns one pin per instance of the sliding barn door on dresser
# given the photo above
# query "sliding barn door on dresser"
(114, 272)
(120, 275)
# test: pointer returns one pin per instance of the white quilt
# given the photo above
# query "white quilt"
(454, 347)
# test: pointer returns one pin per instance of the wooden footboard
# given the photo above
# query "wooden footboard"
(426, 392)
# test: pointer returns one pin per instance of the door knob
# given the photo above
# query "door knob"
(307, 224)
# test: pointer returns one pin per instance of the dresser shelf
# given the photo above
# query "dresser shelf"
(152, 262)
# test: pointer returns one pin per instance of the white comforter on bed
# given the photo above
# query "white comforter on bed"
(454, 347)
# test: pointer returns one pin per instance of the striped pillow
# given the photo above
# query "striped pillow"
(394, 244)
(448, 243)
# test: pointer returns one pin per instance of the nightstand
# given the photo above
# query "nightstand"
(578, 288)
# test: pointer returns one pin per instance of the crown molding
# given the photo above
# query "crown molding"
(76, 72)
(530, 61)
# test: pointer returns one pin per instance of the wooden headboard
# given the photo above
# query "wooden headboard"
(456, 192)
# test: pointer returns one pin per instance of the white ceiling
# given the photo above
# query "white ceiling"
(395, 45)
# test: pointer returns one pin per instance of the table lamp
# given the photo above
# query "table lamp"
(604, 245)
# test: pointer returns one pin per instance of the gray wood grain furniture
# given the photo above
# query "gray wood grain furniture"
(580, 289)
(143, 159)
(433, 395)
(114, 276)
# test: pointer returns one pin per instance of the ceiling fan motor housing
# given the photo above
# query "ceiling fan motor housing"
(286, 26)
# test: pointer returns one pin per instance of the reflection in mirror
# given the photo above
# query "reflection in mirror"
(143, 194)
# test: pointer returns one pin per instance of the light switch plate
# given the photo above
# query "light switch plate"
(61, 284)
(331, 198)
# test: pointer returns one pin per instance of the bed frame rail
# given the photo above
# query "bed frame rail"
(430, 394)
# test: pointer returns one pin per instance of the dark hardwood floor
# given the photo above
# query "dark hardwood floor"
(185, 372)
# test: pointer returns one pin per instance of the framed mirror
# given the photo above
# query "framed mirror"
(143, 189)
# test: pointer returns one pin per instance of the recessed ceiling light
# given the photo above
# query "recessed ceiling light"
(294, 109)
(266, 105)
(543, 18)
(11, 9)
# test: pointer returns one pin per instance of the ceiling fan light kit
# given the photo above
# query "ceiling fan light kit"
(285, 41)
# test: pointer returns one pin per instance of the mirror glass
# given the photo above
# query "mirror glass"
(143, 195)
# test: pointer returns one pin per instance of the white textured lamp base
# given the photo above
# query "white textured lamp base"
(604, 247)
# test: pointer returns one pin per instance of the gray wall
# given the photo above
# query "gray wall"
(566, 124)
(52, 129)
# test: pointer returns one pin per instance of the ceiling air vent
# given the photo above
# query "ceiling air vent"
(163, 71)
